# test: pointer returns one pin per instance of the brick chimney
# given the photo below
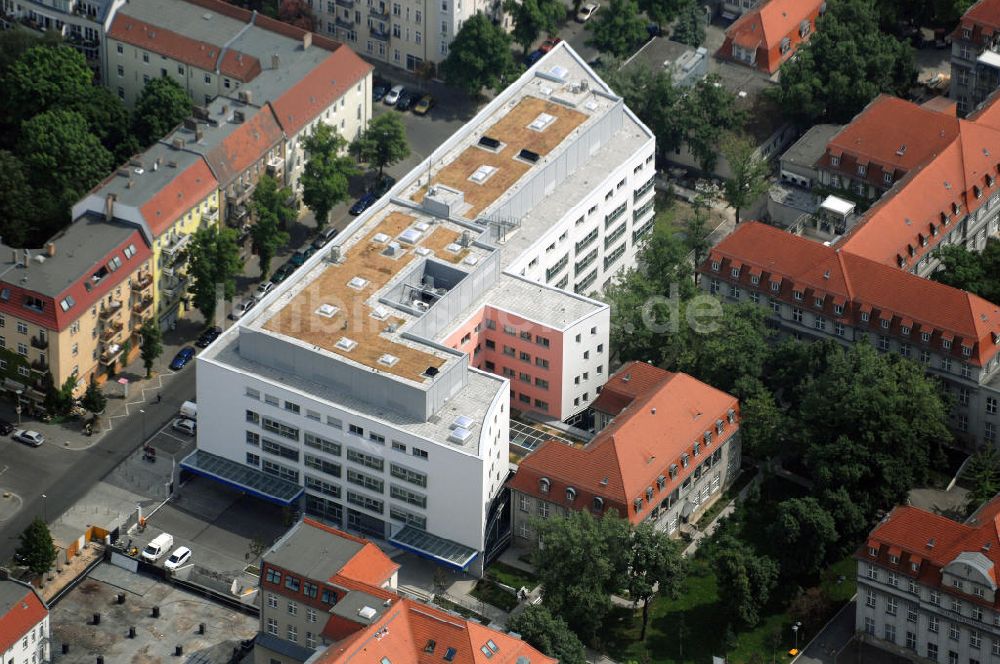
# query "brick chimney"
(109, 207)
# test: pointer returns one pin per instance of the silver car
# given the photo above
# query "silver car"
(28, 437)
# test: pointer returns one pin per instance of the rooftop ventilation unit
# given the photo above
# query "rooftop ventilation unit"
(410, 236)
(482, 174)
(559, 72)
(392, 249)
(357, 283)
(388, 360)
(422, 251)
(471, 260)
(489, 142)
(465, 239)
(454, 247)
(459, 435)
(528, 155)
(420, 305)
(422, 226)
(346, 344)
(366, 612)
(327, 310)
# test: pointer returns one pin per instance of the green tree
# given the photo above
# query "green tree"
(844, 65)
(532, 18)
(37, 551)
(94, 399)
(661, 12)
(653, 564)
(383, 143)
(763, 424)
(327, 173)
(655, 99)
(152, 344)
(479, 57)
(737, 348)
(690, 26)
(59, 400)
(749, 173)
(548, 633)
(214, 261)
(18, 212)
(46, 78)
(272, 212)
(803, 535)
(851, 522)
(579, 566)
(162, 105)
(14, 44)
(297, 13)
(109, 121)
(618, 29)
(697, 235)
(710, 113)
(983, 471)
(746, 579)
(873, 424)
(62, 155)
(976, 272)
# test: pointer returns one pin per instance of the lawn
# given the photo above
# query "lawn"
(491, 593)
(691, 627)
(511, 576)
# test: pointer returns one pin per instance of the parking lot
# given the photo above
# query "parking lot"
(180, 616)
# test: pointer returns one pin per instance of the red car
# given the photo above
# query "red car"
(549, 44)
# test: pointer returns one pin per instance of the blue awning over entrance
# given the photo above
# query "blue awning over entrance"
(242, 477)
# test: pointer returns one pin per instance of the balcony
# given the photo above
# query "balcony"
(379, 35)
(176, 245)
(142, 282)
(275, 167)
(111, 355)
(347, 4)
(379, 13)
(212, 215)
(41, 342)
(41, 366)
(345, 23)
(111, 331)
(142, 305)
(110, 310)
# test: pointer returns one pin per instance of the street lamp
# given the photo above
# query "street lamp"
(143, 425)
(18, 409)
(44, 517)
(795, 630)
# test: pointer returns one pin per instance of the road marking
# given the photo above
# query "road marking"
(5, 469)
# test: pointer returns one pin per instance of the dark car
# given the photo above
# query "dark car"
(363, 203)
(406, 101)
(549, 44)
(533, 57)
(5, 428)
(300, 256)
(379, 89)
(207, 337)
(383, 185)
(182, 357)
(282, 272)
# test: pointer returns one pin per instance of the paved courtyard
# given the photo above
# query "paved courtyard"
(181, 613)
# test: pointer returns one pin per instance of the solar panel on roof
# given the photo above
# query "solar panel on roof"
(489, 142)
(528, 155)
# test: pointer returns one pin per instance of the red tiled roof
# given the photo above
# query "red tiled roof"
(632, 380)
(404, 633)
(630, 454)
(368, 566)
(245, 145)
(765, 26)
(866, 284)
(983, 18)
(175, 46)
(182, 193)
(22, 616)
(323, 85)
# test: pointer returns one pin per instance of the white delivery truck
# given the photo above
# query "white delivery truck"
(189, 409)
(159, 546)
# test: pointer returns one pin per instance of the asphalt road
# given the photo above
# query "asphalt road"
(64, 476)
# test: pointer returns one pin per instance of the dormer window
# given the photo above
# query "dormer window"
(946, 344)
(707, 438)
(754, 279)
(775, 286)
(925, 336)
(672, 471)
(914, 567)
(637, 504)
(786, 45)
(904, 330)
(598, 504)
(884, 323)
(966, 351)
(838, 309)
(685, 460)
(544, 485)
(661, 482)
(804, 28)
(735, 272)
(862, 169)
(696, 449)
(570, 494)
(649, 494)
(715, 266)
(819, 303)
(873, 552)
(894, 559)
(864, 316)
(731, 415)
(798, 295)
(887, 177)
(834, 160)
(720, 426)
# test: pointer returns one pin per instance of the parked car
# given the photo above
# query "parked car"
(185, 426)
(324, 237)
(392, 96)
(382, 186)
(282, 273)
(587, 10)
(182, 357)
(534, 57)
(301, 256)
(241, 308)
(180, 556)
(380, 89)
(6, 428)
(208, 336)
(28, 437)
(425, 104)
(363, 203)
(549, 44)
(159, 546)
(405, 101)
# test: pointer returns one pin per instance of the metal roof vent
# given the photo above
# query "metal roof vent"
(346, 344)
(388, 360)
(366, 612)
(357, 283)
(327, 310)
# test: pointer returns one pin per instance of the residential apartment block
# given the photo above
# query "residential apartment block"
(82, 23)
(812, 291)
(404, 33)
(669, 449)
(975, 61)
(767, 35)
(927, 586)
(328, 597)
(24, 624)
(378, 381)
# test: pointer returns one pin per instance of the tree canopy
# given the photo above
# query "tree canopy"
(326, 176)
(37, 551)
(690, 26)
(214, 261)
(479, 57)
(383, 143)
(46, 78)
(532, 18)
(746, 579)
(653, 564)
(618, 28)
(162, 105)
(976, 272)
(548, 633)
(272, 214)
(805, 536)
(844, 65)
(152, 344)
(749, 173)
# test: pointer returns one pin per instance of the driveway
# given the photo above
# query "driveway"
(833, 638)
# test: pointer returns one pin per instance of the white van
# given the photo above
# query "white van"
(189, 410)
(159, 546)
